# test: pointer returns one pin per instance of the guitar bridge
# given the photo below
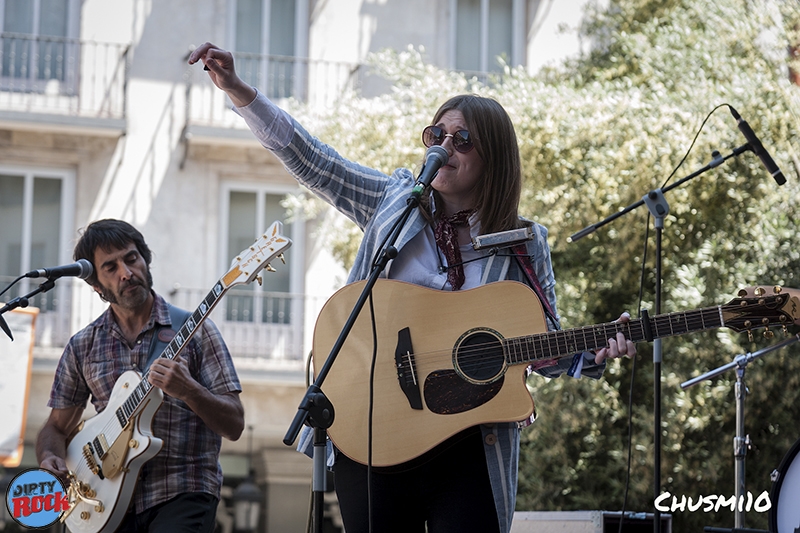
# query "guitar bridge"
(406, 369)
(90, 462)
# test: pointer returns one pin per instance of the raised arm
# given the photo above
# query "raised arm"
(219, 64)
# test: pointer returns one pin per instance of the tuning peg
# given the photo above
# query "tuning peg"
(270, 268)
(282, 258)
(759, 291)
(767, 333)
(260, 280)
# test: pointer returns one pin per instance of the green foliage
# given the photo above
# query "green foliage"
(595, 136)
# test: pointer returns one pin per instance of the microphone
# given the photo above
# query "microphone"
(435, 158)
(758, 148)
(502, 239)
(82, 269)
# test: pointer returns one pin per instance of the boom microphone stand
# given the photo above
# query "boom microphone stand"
(741, 441)
(315, 409)
(659, 208)
(23, 301)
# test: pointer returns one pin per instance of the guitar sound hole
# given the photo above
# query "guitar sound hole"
(479, 357)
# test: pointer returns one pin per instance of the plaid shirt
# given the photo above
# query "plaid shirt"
(94, 359)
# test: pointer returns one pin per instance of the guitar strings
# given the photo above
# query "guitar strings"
(563, 344)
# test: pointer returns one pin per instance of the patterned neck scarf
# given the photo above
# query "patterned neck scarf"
(446, 237)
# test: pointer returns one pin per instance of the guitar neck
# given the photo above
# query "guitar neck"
(558, 344)
(174, 348)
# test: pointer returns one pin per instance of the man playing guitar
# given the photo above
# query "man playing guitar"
(179, 488)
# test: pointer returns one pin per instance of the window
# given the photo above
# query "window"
(249, 212)
(35, 208)
(484, 30)
(38, 49)
(264, 41)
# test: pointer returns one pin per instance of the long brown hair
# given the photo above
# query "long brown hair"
(496, 142)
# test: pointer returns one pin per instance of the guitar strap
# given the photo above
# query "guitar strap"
(177, 316)
(524, 260)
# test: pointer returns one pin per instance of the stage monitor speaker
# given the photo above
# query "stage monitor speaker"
(586, 522)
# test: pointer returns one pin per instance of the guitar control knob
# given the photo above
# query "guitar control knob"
(85, 515)
(133, 443)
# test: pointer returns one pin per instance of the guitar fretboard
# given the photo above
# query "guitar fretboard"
(556, 344)
(176, 345)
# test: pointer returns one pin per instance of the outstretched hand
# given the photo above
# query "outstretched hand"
(220, 66)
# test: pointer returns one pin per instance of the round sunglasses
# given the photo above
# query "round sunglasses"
(434, 136)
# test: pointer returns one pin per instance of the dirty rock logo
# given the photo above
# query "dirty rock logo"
(36, 498)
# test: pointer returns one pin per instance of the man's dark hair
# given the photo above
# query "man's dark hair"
(108, 234)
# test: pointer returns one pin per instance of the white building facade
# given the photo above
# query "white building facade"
(100, 116)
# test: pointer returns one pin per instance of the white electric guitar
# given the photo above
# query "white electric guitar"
(105, 455)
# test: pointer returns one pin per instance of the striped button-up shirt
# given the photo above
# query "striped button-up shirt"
(374, 201)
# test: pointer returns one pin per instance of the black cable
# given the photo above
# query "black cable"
(633, 379)
(371, 407)
(10, 285)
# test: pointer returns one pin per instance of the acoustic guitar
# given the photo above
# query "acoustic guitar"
(446, 361)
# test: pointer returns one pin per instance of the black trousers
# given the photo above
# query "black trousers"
(193, 512)
(448, 489)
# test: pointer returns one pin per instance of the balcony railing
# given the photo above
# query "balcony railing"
(264, 331)
(314, 82)
(62, 76)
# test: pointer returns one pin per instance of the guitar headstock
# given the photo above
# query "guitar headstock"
(763, 307)
(246, 266)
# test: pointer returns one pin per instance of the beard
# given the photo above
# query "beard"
(129, 299)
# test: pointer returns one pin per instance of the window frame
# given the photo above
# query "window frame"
(31, 82)
(297, 235)
(67, 177)
(301, 37)
(518, 24)
(65, 229)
